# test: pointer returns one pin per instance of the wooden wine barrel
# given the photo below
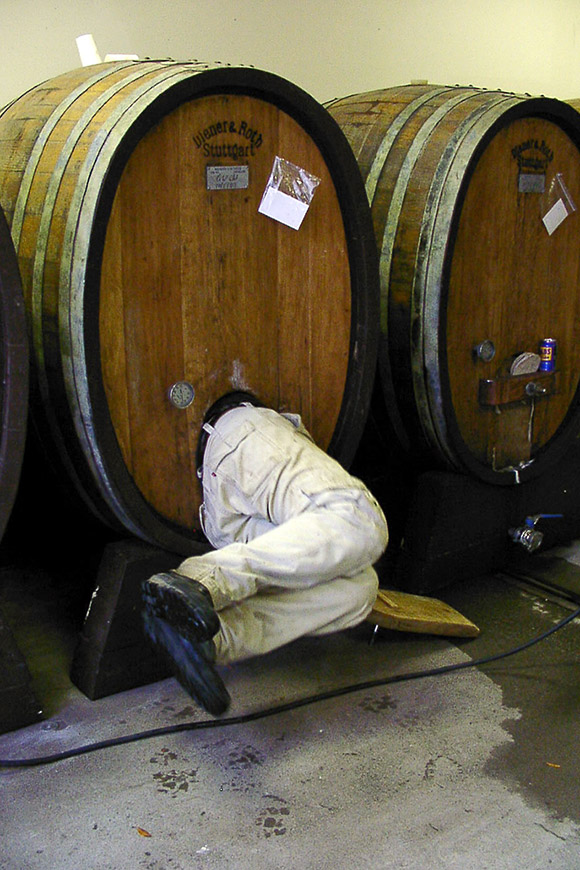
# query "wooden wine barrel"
(13, 375)
(479, 262)
(154, 285)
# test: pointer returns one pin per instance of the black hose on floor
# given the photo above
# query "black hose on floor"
(290, 705)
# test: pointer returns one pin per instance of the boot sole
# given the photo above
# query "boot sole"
(195, 619)
(192, 668)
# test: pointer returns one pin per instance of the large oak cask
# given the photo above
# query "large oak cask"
(473, 195)
(154, 284)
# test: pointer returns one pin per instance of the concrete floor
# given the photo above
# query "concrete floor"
(472, 769)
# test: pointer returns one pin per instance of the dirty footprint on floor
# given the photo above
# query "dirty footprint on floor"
(273, 820)
(169, 780)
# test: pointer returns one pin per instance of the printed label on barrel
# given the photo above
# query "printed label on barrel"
(242, 139)
(532, 157)
(531, 182)
(227, 177)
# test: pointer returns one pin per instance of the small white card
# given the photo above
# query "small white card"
(554, 216)
(283, 208)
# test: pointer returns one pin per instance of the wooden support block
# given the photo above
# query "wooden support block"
(18, 704)
(113, 654)
(456, 527)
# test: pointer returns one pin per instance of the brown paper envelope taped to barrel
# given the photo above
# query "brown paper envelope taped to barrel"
(154, 285)
(14, 360)
(473, 195)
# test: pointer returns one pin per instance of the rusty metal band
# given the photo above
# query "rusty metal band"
(42, 237)
(428, 275)
(73, 271)
(37, 289)
(53, 188)
(40, 143)
(400, 189)
(16, 230)
(384, 149)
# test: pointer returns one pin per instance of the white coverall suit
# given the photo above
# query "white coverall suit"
(296, 535)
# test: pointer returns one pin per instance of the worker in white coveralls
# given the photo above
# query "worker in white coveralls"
(296, 538)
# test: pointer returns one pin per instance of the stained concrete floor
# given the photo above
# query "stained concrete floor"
(476, 768)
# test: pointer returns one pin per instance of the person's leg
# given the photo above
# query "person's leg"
(335, 539)
(271, 619)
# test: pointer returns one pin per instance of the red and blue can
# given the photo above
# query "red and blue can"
(548, 354)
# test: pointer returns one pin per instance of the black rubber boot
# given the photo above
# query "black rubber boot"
(192, 663)
(184, 603)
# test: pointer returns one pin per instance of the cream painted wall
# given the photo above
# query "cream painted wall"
(330, 48)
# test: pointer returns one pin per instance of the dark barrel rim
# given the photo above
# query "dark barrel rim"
(14, 361)
(363, 260)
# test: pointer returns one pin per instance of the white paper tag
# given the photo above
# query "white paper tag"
(554, 217)
(283, 208)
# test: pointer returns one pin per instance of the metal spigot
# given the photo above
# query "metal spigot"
(533, 389)
(527, 535)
